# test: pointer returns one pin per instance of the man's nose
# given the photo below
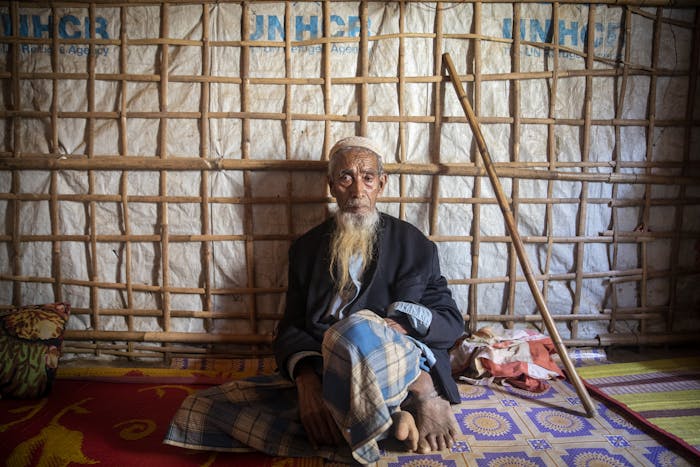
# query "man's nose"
(355, 189)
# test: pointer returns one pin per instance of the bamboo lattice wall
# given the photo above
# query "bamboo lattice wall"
(127, 297)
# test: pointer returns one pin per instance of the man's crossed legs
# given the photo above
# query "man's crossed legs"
(374, 387)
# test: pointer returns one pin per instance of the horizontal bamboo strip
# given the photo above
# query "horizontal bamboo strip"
(319, 165)
(612, 277)
(641, 3)
(328, 118)
(154, 313)
(614, 71)
(608, 237)
(140, 287)
(348, 118)
(627, 311)
(485, 317)
(144, 353)
(622, 313)
(447, 169)
(275, 200)
(646, 339)
(186, 337)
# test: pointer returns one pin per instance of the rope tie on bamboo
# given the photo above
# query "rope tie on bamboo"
(214, 164)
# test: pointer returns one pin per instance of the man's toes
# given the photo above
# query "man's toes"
(446, 442)
(405, 429)
(401, 431)
(424, 447)
(428, 444)
(413, 436)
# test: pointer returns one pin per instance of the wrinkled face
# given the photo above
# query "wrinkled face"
(355, 181)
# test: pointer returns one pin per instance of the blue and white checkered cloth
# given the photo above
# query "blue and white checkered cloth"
(367, 369)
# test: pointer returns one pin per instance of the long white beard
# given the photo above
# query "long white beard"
(355, 234)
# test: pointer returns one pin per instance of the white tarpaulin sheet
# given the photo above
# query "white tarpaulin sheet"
(127, 86)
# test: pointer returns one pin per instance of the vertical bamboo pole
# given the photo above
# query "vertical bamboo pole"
(327, 83)
(473, 299)
(327, 90)
(551, 147)
(580, 248)
(90, 145)
(515, 148)
(204, 175)
(15, 207)
(124, 186)
(649, 159)
(55, 148)
(288, 97)
(364, 67)
(245, 154)
(617, 154)
(288, 102)
(437, 128)
(163, 147)
(402, 106)
(515, 237)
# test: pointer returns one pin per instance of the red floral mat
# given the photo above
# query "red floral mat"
(118, 417)
(114, 417)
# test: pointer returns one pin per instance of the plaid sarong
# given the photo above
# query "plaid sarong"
(367, 369)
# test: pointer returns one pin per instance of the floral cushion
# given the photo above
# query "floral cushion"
(30, 346)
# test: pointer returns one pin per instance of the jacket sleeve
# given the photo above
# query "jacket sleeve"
(447, 323)
(291, 337)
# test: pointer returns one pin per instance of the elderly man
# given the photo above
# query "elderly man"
(365, 336)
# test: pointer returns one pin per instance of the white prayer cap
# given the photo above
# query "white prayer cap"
(357, 142)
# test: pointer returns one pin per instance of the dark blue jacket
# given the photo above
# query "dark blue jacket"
(406, 269)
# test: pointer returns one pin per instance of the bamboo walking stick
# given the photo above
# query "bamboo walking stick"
(517, 242)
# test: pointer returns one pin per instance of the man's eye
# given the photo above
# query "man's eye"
(369, 178)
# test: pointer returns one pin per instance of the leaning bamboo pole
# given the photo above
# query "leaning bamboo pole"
(517, 242)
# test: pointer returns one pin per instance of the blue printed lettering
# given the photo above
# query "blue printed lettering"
(354, 25)
(537, 34)
(6, 25)
(272, 27)
(101, 28)
(598, 40)
(259, 27)
(570, 33)
(508, 29)
(40, 28)
(312, 27)
(23, 25)
(612, 35)
(69, 27)
(273, 24)
(565, 32)
(63, 27)
(339, 21)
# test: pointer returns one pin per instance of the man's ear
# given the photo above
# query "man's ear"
(382, 182)
(330, 185)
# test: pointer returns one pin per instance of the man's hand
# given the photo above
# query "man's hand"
(315, 416)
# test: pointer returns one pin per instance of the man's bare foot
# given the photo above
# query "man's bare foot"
(405, 429)
(433, 416)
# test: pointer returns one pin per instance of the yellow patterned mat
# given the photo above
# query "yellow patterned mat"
(665, 393)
